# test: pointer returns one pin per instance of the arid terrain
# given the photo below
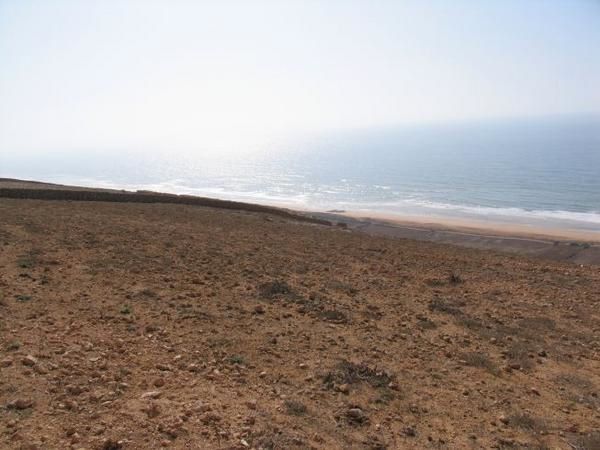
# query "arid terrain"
(142, 326)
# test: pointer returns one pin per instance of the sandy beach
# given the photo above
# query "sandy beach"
(130, 325)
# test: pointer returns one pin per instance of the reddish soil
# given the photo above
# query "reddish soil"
(141, 326)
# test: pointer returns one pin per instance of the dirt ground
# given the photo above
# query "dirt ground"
(142, 326)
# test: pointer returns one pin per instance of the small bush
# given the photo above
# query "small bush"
(347, 372)
(481, 360)
(588, 442)
(525, 422)
(446, 306)
(237, 359)
(13, 346)
(334, 316)
(455, 278)
(295, 408)
(273, 289)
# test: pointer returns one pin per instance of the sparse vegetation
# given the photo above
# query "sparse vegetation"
(455, 278)
(333, 316)
(295, 408)
(13, 346)
(446, 306)
(481, 360)
(521, 354)
(526, 422)
(347, 372)
(589, 441)
(237, 359)
(273, 289)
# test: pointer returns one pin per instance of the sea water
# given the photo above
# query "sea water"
(533, 172)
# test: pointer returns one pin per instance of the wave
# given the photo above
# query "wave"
(323, 198)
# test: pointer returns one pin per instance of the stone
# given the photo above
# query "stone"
(29, 361)
(343, 388)
(20, 404)
(356, 415)
(6, 362)
(151, 395)
(409, 431)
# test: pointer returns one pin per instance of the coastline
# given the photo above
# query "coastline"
(488, 228)
(576, 246)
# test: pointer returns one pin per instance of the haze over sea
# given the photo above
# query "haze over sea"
(536, 172)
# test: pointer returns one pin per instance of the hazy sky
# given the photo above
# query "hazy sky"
(134, 74)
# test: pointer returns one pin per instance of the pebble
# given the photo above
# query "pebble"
(30, 361)
(151, 394)
(410, 431)
(343, 388)
(6, 362)
(356, 414)
(20, 404)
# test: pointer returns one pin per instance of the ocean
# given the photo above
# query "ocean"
(538, 173)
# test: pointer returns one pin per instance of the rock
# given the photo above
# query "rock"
(152, 411)
(210, 417)
(503, 419)
(6, 362)
(534, 391)
(303, 366)
(251, 404)
(73, 389)
(20, 404)
(29, 361)
(259, 309)
(356, 415)
(262, 374)
(159, 382)
(409, 431)
(343, 388)
(542, 353)
(151, 395)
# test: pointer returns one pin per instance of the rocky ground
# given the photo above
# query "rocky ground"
(132, 326)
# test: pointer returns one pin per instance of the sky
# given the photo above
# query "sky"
(137, 74)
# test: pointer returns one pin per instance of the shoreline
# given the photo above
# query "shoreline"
(564, 245)
(472, 226)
